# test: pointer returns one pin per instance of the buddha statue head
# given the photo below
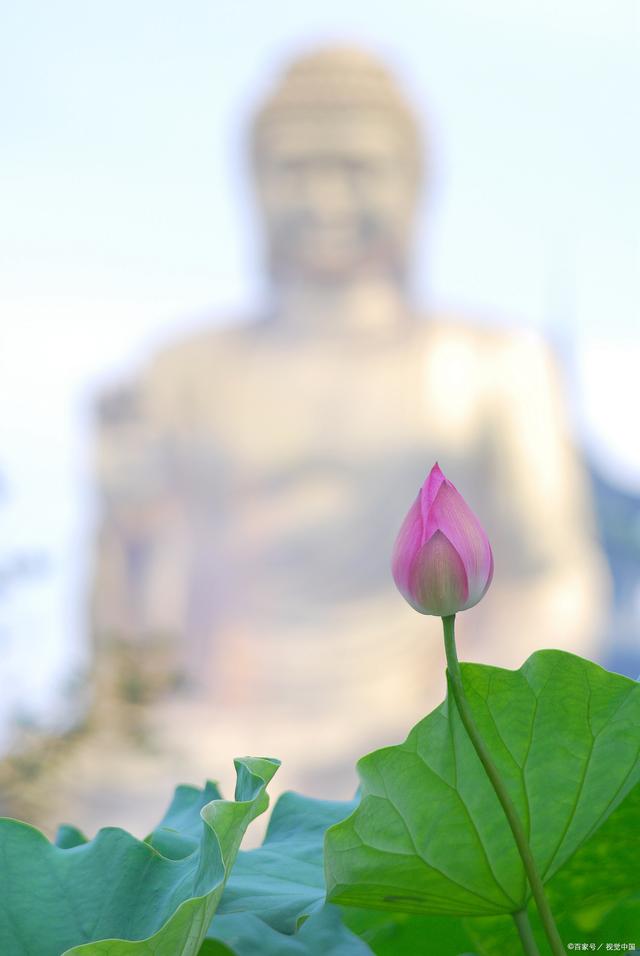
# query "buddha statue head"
(337, 162)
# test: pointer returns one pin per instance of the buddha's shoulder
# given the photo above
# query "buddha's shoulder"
(202, 350)
(174, 371)
(450, 339)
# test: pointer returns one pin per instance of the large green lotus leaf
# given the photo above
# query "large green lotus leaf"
(595, 897)
(596, 894)
(390, 934)
(620, 923)
(179, 831)
(605, 871)
(429, 835)
(213, 947)
(282, 881)
(274, 888)
(116, 895)
(497, 936)
(323, 934)
(69, 836)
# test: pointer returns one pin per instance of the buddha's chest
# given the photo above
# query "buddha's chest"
(338, 409)
(326, 437)
(304, 465)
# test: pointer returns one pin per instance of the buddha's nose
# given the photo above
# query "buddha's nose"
(328, 191)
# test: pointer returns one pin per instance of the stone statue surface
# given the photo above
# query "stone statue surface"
(254, 477)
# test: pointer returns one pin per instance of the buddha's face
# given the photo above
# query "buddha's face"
(338, 193)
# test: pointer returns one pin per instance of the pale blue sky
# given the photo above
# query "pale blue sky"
(126, 212)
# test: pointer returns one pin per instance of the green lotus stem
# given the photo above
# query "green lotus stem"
(460, 697)
(523, 925)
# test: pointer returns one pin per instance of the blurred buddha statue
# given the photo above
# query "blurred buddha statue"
(254, 477)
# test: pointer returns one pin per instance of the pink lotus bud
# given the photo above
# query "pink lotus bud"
(442, 561)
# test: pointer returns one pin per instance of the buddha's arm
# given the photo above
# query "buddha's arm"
(543, 485)
(135, 595)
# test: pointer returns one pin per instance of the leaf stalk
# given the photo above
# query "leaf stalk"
(529, 945)
(454, 675)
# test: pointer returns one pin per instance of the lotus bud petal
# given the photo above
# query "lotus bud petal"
(442, 561)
